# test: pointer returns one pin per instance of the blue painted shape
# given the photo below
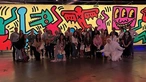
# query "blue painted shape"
(72, 30)
(22, 20)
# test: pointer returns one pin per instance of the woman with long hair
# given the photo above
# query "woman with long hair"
(20, 45)
(59, 49)
(67, 45)
(97, 41)
(37, 44)
(74, 45)
(80, 43)
(88, 43)
(113, 37)
(105, 37)
(126, 40)
(121, 33)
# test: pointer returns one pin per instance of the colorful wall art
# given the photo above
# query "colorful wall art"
(54, 17)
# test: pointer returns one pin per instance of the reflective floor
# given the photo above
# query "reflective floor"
(78, 70)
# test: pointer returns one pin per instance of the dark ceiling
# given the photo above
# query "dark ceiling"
(87, 2)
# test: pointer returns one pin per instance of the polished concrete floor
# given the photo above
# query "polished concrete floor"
(78, 70)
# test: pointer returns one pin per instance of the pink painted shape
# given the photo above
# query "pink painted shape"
(125, 19)
(102, 22)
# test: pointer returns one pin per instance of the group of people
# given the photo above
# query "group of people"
(80, 43)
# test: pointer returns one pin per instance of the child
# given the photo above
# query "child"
(60, 56)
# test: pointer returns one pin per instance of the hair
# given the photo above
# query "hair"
(98, 33)
(106, 32)
(74, 33)
(60, 37)
(21, 32)
(15, 28)
(124, 36)
(86, 34)
(38, 39)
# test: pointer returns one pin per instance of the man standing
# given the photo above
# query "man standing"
(14, 38)
(31, 39)
(133, 35)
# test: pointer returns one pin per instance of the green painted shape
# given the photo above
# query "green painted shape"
(41, 19)
(142, 35)
(4, 22)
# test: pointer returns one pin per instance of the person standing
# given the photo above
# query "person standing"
(31, 38)
(19, 47)
(14, 38)
(97, 41)
(126, 40)
(121, 33)
(74, 45)
(133, 35)
(88, 43)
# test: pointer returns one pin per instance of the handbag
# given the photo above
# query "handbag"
(87, 49)
(82, 47)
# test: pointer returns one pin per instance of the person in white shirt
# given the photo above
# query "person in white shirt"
(112, 50)
(113, 37)
(14, 38)
(133, 35)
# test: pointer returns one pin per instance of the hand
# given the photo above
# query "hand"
(126, 46)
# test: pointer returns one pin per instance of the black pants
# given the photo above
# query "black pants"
(67, 50)
(32, 49)
(37, 55)
(50, 49)
(14, 51)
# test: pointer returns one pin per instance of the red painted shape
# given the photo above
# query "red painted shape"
(5, 43)
(143, 11)
(54, 26)
(80, 15)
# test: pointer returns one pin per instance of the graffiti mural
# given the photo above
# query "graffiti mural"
(55, 17)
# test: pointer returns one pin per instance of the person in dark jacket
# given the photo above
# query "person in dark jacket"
(20, 45)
